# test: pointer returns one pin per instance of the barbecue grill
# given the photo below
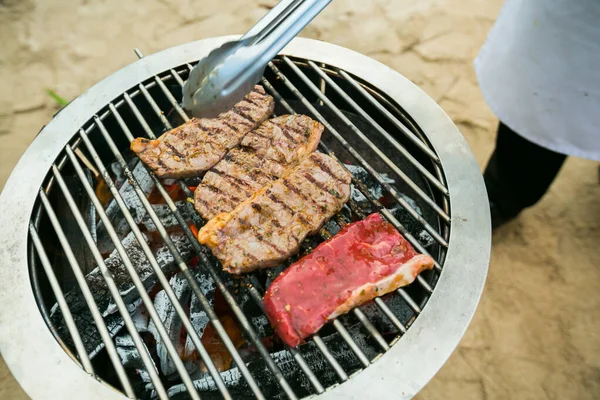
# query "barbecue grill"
(62, 336)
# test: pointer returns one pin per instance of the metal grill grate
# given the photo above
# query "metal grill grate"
(363, 128)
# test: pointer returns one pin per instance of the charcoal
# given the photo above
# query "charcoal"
(198, 316)
(171, 320)
(375, 189)
(166, 216)
(133, 203)
(84, 321)
(292, 372)
(140, 316)
(128, 353)
(414, 227)
(132, 360)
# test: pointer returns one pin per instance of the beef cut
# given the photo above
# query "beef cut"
(364, 260)
(268, 228)
(194, 147)
(263, 156)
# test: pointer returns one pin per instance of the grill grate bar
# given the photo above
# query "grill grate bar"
(187, 380)
(410, 301)
(138, 116)
(193, 284)
(295, 352)
(60, 299)
(150, 257)
(330, 358)
(416, 189)
(325, 78)
(388, 313)
(358, 157)
(390, 116)
(359, 185)
(354, 347)
(371, 329)
(171, 99)
(155, 107)
(85, 290)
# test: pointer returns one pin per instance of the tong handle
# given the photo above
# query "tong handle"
(276, 29)
(269, 20)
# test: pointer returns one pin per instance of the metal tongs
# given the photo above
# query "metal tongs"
(230, 72)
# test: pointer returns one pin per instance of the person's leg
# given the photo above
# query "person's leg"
(518, 174)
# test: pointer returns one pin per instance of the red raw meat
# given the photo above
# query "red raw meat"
(364, 260)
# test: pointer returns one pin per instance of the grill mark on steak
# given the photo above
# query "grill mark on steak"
(301, 132)
(302, 195)
(284, 130)
(232, 127)
(255, 173)
(287, 208)
(257, 133)
(246, 254)
(241, 111)
(216, 190)
(273, 246)
(323, 167)
(201, 200)
(249, 100)
(232, 180)
(174, 150)
(161, 162)
(275, 199)
(219, 129)
(321, 186)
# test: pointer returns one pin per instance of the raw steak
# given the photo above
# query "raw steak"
(364, 260)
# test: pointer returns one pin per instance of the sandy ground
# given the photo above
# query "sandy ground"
(536, 333)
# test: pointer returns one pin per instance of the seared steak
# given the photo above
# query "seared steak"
(366, 259)
(267, 228)
(264, 155)
(194, 147)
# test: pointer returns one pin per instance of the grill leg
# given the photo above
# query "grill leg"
(518, 174)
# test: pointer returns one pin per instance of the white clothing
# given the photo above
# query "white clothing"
(539, 72)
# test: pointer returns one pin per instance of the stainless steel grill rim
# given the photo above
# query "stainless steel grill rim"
(468, 215)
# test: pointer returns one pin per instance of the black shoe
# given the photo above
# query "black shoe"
(498, 219)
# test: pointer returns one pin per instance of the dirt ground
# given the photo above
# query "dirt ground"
(536, 333)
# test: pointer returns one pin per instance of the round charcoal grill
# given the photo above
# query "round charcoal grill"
(105, 293)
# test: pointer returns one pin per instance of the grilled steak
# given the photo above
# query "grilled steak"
(264, 155)
(194, 147)
(267, 228)
(364, 260)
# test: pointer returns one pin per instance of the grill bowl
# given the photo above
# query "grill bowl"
(45, 370)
